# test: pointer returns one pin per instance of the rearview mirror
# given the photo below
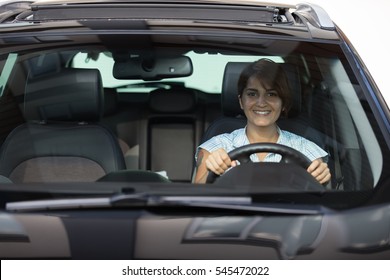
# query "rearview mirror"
(153, 68)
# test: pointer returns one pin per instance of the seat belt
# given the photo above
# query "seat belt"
(336, 156)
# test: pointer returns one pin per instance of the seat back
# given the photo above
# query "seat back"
(173, 115)
(61, 140)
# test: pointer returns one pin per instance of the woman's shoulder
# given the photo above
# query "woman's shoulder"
(302, 144)
(291, 135)
(231, 135)
(225, 140)
(293, 139)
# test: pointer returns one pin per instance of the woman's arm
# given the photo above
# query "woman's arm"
(217, 162)
(201, 171)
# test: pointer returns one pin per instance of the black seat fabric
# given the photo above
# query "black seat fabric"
(173, 113)
(61, 140)
(111, 107)
(234, 118)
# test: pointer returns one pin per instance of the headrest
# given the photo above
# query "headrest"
(44, 64)
(110, 101)
(174, 100)
(69, 95)
(230, 104)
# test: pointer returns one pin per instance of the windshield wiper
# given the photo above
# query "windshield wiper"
(121, 200)
(239, 203)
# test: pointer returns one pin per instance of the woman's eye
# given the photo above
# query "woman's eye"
(272, 93)
(251, 93)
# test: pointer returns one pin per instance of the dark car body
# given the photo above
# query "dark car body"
(152, 80)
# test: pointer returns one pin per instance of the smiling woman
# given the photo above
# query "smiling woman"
(263, 94)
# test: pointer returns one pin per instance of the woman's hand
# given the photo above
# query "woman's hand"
(219, 161)
(320, 171)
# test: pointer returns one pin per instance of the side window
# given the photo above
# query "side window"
(354, 147)
(10, 114)
(7, 65)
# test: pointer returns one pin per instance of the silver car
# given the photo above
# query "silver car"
(103, 108)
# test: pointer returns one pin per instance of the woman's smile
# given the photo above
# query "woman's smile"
(262, 112)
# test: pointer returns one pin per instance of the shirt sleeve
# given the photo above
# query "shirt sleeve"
(310, 149)
(313, 151)
(224, 141)
(210, 145)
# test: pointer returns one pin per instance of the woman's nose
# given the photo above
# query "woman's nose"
(261, 100)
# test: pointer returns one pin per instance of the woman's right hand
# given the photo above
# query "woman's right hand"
(219, 161)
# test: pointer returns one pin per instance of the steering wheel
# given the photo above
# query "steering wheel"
(242, 154)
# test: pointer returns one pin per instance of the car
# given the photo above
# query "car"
(103, 107)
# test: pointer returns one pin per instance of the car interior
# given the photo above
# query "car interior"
(148, 126)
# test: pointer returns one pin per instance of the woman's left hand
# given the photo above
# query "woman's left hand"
(320, 171)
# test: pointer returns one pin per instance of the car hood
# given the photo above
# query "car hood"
(139, 234)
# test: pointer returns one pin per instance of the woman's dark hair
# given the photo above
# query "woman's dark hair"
(271, 75)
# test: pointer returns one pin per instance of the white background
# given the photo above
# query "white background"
(367, 25)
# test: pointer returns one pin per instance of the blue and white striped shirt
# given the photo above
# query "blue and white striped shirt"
(238, 138)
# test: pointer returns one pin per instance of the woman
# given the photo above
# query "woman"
(264, 95)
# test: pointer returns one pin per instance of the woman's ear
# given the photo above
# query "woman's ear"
(239, 100)
(284, 113)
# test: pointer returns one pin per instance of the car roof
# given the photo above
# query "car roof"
(223, 2)
(301, 21)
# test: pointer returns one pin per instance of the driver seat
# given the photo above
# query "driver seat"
(233, 117)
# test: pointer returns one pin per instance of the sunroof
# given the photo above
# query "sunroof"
(148, 10)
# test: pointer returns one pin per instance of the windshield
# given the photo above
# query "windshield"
(98, 111)
(199, 79)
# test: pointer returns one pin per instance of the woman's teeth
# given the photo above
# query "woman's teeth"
(262, 112)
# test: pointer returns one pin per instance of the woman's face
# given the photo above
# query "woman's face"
(262, 106)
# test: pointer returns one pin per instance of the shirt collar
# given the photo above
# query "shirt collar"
(281, 137)
(241, 138)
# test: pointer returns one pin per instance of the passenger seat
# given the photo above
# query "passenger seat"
(62, 140)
